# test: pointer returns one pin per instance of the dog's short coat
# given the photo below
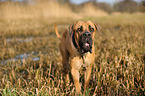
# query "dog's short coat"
(77, 50)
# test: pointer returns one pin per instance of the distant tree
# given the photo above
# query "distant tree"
(142, 6)
(63, 1)
(143, 2)
(126, 6)
(106, 7)
(94, 1)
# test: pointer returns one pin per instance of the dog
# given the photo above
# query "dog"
(77, 50)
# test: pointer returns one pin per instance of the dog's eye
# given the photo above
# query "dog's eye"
(91, 29)
(80, 29)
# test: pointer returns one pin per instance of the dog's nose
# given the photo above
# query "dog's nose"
(87, 34)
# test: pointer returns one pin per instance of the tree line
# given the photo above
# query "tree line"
(121, 6)
(129, 6)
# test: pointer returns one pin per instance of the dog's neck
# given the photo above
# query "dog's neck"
(77, 46)
(74, 42)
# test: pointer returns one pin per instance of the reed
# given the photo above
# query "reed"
(30, 60)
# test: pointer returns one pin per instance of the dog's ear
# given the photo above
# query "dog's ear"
(71, 28)
(98, 27)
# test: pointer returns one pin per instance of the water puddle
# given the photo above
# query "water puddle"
(19, 39)
(117, 27)
(21, 57)
(23, 40)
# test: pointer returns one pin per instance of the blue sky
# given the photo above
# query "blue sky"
(107, 1)
(81, 1)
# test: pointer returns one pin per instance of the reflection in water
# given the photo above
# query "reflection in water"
(21, 57)
(20, 40)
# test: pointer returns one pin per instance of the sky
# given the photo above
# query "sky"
(107, 1)
(81, 1)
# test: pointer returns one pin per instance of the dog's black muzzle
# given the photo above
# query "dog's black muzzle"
(85, 42)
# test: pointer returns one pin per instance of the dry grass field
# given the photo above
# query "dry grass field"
(30, 60)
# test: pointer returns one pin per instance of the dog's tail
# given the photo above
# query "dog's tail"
(57, 34)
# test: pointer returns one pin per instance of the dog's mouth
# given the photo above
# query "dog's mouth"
(85, 44)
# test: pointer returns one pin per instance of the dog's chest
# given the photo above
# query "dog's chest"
(78, 62)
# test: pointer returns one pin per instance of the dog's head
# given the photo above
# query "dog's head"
(84, 32)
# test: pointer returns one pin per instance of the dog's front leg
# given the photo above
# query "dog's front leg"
(87, 77)
(75, 75)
